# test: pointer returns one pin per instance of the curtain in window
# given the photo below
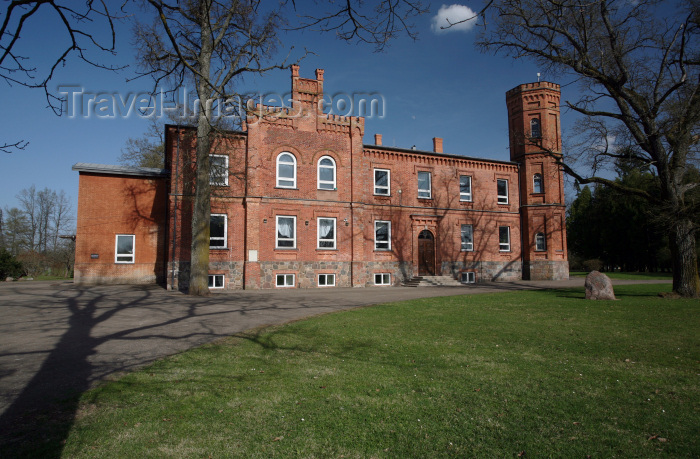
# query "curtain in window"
(424, 181)
(326, 229)
(284, 228)
(465, 184)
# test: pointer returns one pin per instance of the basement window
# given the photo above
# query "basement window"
(382, 279)
(285, 280)
(216, 281)
(326, 280)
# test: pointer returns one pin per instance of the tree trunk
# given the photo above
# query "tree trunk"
(685, 260)
(199, 259)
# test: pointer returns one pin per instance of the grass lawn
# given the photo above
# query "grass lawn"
(628, 276)
(545, 373)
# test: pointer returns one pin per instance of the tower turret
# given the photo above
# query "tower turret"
(535, 143)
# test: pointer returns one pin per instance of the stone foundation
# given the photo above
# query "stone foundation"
(546, 270)
(400, 271)
(485, 271)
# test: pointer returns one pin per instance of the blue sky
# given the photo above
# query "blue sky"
(436, 86)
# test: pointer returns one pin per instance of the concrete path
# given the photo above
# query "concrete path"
(59, 339)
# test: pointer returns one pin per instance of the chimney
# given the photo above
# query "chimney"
(437, 144)
(378, 139)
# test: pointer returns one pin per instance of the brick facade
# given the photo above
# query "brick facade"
(273, 185)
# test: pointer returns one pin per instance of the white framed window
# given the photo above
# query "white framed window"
(218, 226)
(326, 280)
(465, 188)
(467, 233)
(382, 235)
(468, 277)
(540, 242)
(216, 281)
(382, 182)
(537, 184)
(382, 279)
(424, 185)
(535, 128)
(286, 232)
(124, 248)
(218, 170)
(504, 238)
(286, 170)
(326, 173)
(502, 189)
(285, 280)
(325, 233)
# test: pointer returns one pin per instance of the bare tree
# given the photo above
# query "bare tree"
(78, 22)
(638, 67)
(16, 231)
(147, 150)
(30, 207)
(211, 43)
(354, 20)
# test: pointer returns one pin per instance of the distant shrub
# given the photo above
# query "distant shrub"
(593, 265)
(9, 266)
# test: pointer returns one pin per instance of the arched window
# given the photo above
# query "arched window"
(326, 173)
(537, 184)
(286, 170)
(540, 242)
(535, 130)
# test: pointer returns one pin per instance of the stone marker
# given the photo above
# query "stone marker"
(599, 287)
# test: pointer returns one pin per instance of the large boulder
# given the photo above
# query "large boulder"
(599, 287)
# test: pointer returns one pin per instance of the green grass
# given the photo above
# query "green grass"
(48, 278)
(628, 276)
(544, 372)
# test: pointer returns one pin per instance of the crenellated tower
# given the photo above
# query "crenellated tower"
(535, 143)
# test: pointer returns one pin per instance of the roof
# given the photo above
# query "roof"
(120, 170)
(442, 155)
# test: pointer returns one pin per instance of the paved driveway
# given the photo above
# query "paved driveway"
(58, 339)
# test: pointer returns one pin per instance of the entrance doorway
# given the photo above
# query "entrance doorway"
(426, 253)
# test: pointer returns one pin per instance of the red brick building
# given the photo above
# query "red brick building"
(299, 201)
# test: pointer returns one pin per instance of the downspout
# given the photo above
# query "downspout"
(352, 210)
(245, 210)
(520, 212)
(177, 180)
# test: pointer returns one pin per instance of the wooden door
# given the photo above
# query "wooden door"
(426, 253)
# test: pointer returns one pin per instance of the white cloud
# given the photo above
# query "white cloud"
(451, 14)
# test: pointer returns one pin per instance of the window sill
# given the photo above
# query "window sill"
(502, 203)
(465, 201)
(327, 189)
(382, 195)
(286, 188)
(323, 249)
(218, 248)
(467, 250)
(425, 199)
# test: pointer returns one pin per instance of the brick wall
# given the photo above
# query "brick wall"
(109, 205)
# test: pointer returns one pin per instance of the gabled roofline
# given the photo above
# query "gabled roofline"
(120, 170)
(439, 155)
